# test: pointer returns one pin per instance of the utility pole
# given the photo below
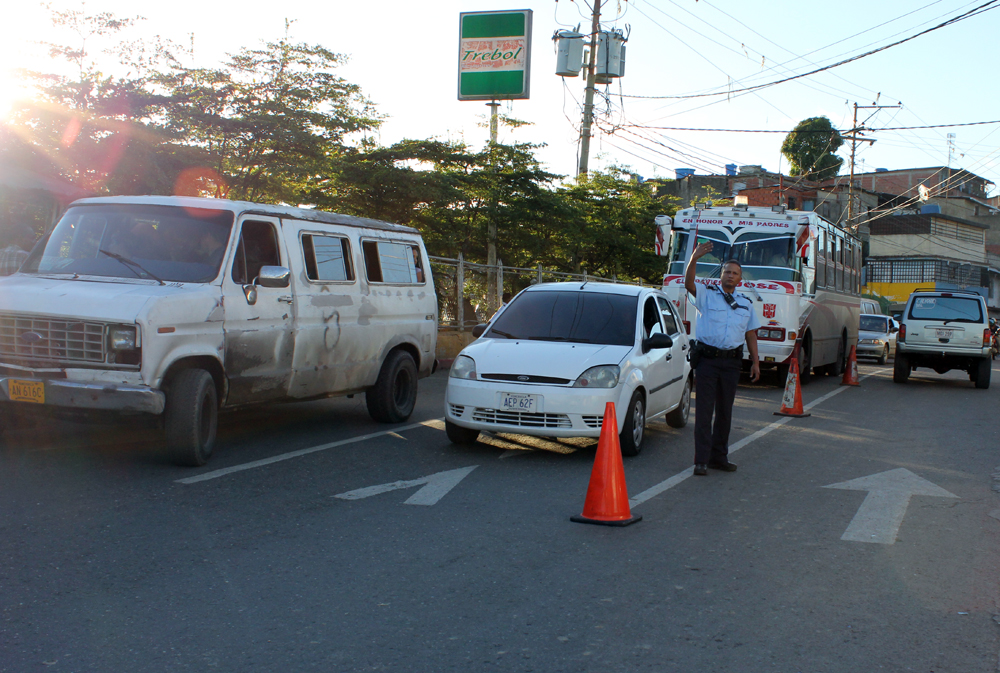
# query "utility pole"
(588, 105)
(855, 138)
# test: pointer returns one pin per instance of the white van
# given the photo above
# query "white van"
(179, 307)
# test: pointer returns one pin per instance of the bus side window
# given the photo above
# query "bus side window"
(820, 257)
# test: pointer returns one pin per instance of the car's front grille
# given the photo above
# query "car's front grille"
(593, 421)
(526, 378)
(521, 419)
(51, 340)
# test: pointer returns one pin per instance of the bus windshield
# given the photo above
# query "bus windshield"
(763, 255)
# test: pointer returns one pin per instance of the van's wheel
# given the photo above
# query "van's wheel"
(394, 394)
(678, 418)
(191, 417)
(900, 368)
(885, 355)
(634, 428)
(983, 373)
(459, 435)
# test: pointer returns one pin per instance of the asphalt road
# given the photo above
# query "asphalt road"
(112, 559)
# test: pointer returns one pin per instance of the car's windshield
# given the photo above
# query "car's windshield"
(948, 309)
(580, 317)
(168, 243)
(870, 323)
(763, 256)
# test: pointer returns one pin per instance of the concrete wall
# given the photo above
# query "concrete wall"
(926, 246)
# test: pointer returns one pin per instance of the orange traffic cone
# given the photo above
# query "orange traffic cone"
(791, 401)
(607, 497)
(851, 370)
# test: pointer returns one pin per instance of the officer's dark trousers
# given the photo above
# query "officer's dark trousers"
(715, 386)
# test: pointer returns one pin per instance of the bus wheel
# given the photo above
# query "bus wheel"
(836, 368)
(805, 361)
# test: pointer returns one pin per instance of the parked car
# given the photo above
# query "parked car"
(178, 307)
(552, 358)
(876, 337)
(944, 330)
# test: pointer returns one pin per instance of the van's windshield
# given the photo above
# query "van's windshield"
(164, 243)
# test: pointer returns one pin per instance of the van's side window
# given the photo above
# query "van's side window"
(258, 247)
(388, 262)
(327, 257)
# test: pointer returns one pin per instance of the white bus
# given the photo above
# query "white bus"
(803, 273)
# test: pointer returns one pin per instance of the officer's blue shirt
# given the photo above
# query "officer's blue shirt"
(718, 324)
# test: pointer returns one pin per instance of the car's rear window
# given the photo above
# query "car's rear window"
(580, 317)
(873, 324)
(951, 309)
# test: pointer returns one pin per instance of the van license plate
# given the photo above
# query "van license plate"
(518, 402)
(26, 391)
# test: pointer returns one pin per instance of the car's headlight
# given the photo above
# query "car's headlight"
(122, 338)
(602, 376)
(463, 367)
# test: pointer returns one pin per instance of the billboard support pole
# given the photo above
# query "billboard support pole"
(491, 227)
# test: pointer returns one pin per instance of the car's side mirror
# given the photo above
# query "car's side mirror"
(478, 330)
(656, 341)
(893, 329)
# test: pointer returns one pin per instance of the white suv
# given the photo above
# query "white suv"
(943, 330)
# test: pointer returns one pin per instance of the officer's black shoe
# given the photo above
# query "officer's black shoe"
(725, 466)
(700, 469)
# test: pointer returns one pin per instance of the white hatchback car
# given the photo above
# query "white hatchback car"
(551, 359)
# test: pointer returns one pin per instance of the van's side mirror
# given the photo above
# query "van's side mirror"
(478, 330)
(656, 341)
(273, 276)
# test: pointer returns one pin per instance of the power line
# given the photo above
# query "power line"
(985, 7)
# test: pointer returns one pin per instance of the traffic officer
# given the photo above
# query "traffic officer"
(725, 321)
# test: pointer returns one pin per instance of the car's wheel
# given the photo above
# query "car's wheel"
(459, 435)
(900, 368)
(634, 429)
(191, 417)
(678, 418)
(983, 373)
(394, 394)
(885, 355)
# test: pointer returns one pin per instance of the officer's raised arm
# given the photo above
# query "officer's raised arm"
(698, 253)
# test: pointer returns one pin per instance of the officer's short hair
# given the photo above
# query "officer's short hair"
(732, 261)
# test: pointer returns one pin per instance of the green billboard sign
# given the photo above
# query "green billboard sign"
(494, 55)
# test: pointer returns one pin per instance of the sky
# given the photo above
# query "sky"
(404, 56)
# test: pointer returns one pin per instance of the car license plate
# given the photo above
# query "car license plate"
(518, 402)
(26, 391)
(945, 333)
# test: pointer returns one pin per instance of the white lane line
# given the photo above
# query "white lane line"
(667, 484)
(437, 424)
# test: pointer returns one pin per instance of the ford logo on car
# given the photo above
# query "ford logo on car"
(31, 337)
(523, 378)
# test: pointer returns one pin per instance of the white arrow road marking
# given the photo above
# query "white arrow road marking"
(880, 515)
(436, 487)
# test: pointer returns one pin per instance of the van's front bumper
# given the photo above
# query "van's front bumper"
(83, 395)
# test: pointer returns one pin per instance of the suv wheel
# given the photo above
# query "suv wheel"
(900, 368)
(983, 373)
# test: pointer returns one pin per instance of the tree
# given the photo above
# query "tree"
(811, 147)
(272, 119)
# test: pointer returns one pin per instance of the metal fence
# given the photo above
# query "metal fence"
(469, 293)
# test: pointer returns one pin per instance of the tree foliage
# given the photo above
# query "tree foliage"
(277, 124)
(811, 149)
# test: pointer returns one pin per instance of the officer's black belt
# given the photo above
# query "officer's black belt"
(720, 353)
